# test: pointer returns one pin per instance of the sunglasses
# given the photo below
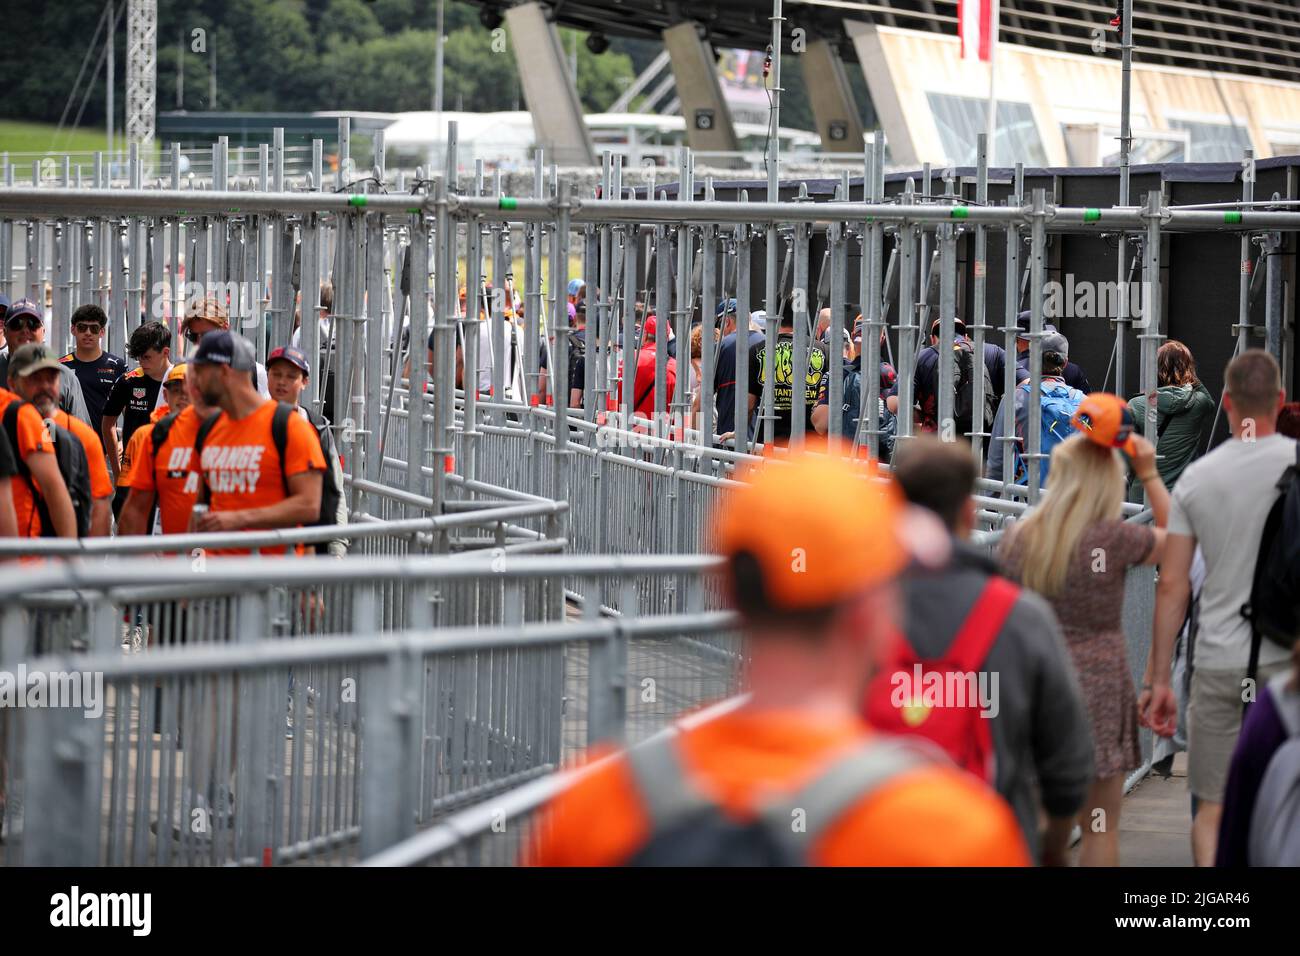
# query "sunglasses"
(28, 322)
(84, 328)
(193, 337)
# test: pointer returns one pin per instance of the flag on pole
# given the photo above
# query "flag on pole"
(977, 26)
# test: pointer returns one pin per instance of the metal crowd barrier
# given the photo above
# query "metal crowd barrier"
(500, 831)
(445, 717)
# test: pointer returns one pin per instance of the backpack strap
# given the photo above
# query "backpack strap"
(845, 783)
(40, 510)
(205, 428)
(970, 648)
(280, 437)
(666, 792)
(161, 429)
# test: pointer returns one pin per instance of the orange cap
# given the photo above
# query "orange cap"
(818, 528)
(175, 374)
(1106, 420)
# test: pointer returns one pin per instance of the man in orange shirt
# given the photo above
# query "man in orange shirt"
(245, 478)
(163, 464)
(38, 472)
(35, 376)
(793, 775)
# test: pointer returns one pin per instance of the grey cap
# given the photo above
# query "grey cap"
(1056, 342)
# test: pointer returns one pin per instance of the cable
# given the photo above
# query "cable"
(94, 41)
(103, 55)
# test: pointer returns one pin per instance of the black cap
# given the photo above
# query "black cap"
(223, 347)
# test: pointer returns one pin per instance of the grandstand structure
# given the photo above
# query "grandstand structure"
(1211, 78)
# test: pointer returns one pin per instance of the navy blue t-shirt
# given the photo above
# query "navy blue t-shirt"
(96, 379)
(724, 381)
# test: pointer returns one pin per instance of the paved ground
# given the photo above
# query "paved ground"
(1156, 820)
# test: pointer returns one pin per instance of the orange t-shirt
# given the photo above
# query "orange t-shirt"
(101, 482)
(33, 438)
(169, 471)
(929, 816)
(242, 469)
(131, 453)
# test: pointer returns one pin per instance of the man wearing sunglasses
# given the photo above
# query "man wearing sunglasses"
(95, 369)
(209, 315)
(25, 323)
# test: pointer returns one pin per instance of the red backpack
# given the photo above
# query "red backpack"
(940, 699)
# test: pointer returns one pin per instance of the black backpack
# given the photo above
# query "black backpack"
(331, 494)
(73, 465)
(687, 828)
(1274, 607)
(966, 365)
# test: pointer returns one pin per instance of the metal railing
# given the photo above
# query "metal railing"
(445, 718)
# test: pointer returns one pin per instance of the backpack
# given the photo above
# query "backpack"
(966, 365)
(73, 466)
(894, 704)
(1274, 606)
(331, 494)
(1059, 402)
(1275, 819)
(688, 828)
(851, 409)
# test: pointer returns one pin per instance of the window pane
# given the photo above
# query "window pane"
(1214, 142)
(962, 118)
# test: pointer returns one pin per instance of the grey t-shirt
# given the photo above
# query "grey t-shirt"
(1222, 500)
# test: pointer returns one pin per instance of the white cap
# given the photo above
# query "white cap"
(758, 320)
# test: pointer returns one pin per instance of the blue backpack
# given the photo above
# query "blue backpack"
(1059, 402)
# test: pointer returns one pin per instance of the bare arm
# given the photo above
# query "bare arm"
(8, 520)
(135, 512)
(101, 517)
(300, 508)
(1157, 706)
(1144, 466)
(108, 429)
(45, 469)
(821, 416)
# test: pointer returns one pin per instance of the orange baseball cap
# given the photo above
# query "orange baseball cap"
(175, 374)
(817, 529)
(1106, 420)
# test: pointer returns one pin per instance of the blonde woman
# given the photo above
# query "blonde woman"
(1075, 550)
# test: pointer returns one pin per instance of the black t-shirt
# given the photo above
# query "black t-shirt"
(96, 379)
(8, 460)
(134, 397)
(783, 390)
(577, 359)
(724, 380)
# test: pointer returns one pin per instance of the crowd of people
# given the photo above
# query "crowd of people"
(886, 581)
(834, 758)
(216, 442)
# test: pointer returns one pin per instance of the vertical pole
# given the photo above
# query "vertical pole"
(991, 120)
(1011, 308)
(744, 265)
(978, 324)
(1243, 283)
(111, 80)
(873, 241)
(709, 314)
(1037, 267)
(1150, 338)
(771, 298)
(907, 314)
(1125, 148)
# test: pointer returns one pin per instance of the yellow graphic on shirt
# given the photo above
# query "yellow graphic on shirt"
(783, 373)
